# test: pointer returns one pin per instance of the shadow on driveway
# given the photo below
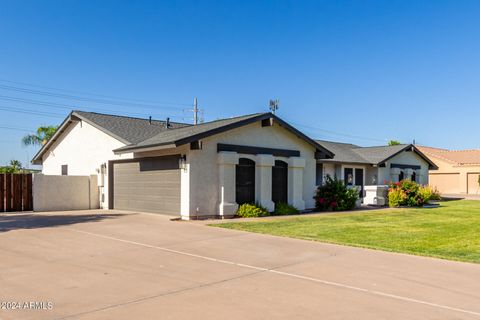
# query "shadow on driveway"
(16, 221)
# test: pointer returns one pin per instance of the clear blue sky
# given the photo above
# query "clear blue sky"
(356, 71)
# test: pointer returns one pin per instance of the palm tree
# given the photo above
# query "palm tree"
(43, 134)
(16, 165)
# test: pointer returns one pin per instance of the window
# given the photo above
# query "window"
(319, 174)
(64, 170)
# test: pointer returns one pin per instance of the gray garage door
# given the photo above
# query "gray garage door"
(148, 185)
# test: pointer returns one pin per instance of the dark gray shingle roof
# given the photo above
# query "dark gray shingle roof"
(172, 136)
(129, 130)
(185, 135)
(345, 152)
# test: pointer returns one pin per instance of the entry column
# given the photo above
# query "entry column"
(226, 174)
(264, 164)
(395, 174)
(296, 166)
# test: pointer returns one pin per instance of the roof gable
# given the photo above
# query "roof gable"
(181, 136)
(125, 129)
(350, 153)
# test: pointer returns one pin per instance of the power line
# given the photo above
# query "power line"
(77, 98)
(14, 128)
(338, 133)
(66, 107)
(94, 94)
(32, 112)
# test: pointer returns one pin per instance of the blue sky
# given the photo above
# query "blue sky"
(355, 71)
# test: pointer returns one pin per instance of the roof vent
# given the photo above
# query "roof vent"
(150, 120)
(167, 123)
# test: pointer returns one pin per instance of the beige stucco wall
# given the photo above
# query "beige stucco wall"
(84, 149)
(452, 178)
(53, 192)
(203, 167)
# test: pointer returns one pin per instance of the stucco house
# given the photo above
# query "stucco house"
(371, 168)
(458, 170)
(207, 170)
(195, 171)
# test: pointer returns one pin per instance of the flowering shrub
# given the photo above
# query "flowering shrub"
(248, 210)
(335, 195)
(410, 194)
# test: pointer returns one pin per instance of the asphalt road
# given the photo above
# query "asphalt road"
(86, 265)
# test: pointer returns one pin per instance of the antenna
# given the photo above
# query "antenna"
(195, 111)
(273, 104)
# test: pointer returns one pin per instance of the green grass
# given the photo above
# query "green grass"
(451, 231)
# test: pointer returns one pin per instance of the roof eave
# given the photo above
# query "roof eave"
(228, 127)
(431, 164)
(37, 158)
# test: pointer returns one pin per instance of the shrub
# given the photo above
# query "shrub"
(410, 194)
(335, 195)
(396, 197)
(284, 209)
(435, 194)
(249, 210)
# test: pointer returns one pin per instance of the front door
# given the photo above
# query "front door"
(359, 180)
(280, 182)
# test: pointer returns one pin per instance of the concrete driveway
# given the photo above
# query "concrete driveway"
(86, 265)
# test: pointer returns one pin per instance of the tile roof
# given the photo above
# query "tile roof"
(458, 157)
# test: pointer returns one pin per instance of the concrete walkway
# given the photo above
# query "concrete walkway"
(144, 266)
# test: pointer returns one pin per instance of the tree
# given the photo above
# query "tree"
(44, 133)
(394, 143)
(14, 167)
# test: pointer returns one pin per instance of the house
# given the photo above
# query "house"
(458, 170)
(371, 168)
(196, 171)
(207, 170)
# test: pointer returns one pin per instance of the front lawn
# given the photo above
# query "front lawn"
(451, 231)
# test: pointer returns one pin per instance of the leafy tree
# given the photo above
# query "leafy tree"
(394, 143)
(43, 134)
(15, 164)
(14, 167)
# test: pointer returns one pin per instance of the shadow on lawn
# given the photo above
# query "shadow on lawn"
(33, 221)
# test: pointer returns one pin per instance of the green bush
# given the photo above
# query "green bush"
(335, 195)
(248, 210)
(396, 197)
(410, 194)
(285, 209)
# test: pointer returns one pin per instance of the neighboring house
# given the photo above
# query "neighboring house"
(459, 170)
(193, 171)
(374, 166)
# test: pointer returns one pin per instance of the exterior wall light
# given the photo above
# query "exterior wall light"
(182, 162)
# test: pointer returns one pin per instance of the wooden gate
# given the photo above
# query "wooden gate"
(16, 192)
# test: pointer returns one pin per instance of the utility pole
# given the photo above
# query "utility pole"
(195, 111)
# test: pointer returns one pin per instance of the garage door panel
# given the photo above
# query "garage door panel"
(445, 182)
(473, 187)
(149, 185)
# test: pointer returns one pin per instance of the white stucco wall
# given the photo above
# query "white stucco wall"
(53, 192)
(84, 149)
(406, 158)
(204, 177)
